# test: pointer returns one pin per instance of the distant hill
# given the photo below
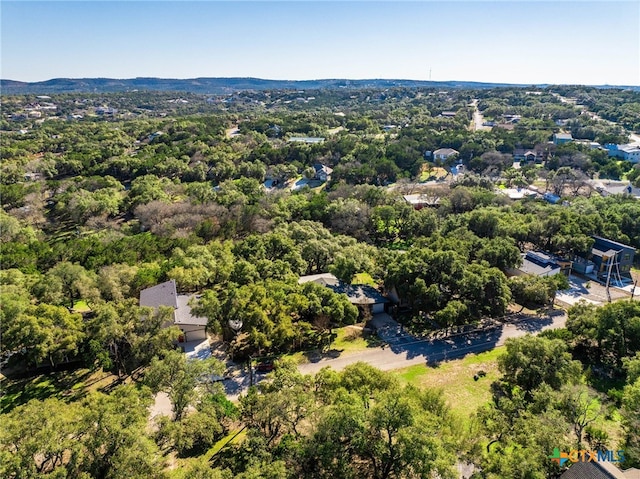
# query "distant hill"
(227, 85)
(213, 85)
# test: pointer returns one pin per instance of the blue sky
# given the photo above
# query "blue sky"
(566, 41)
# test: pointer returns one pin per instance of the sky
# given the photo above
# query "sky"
(561, 42)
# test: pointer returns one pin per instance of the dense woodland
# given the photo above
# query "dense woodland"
(107, 194)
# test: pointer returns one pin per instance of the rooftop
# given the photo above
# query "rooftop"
(183, 312)
(445, 151)
(610, 243)
(422, 200)
(324, 279)
(538, 263)
(163, 294)
(357, 294)
(306, 139)
(597, 470)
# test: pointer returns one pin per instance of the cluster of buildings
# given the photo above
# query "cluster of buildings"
(629, 152)
(608, 262)
(193, 339)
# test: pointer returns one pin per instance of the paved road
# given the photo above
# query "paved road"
(403, 350)
(478, 119)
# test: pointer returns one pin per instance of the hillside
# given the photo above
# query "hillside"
(213, 85)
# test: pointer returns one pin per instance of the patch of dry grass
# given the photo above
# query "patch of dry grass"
(456, 379)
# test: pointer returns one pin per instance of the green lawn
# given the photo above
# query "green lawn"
(349, 339)
(81, 306)
(455, 378)
(433, 174)
(66, 385)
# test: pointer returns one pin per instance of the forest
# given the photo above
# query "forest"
(104, 195)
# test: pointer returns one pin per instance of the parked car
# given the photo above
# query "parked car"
(264, 366)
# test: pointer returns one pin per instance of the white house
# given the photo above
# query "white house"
(444, 153)
(537, 263)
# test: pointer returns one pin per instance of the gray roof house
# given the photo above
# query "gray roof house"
(361, 295)
(193, 327)
(598, 470)
(611, 187)
(562, 138)
(322, 172)
(612, 260)
(539, 264)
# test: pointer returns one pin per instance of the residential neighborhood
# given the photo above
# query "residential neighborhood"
(248, 284)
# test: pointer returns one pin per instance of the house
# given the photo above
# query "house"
(610, 187)
(444, 153)
(306, 139)
(517, 193)
(562, 138)
(364, 296)
(322, 172)
(629, 152)
(593, 145)
(419, 201)
(529, 156)
(598, 470)
(32, 176)
(583, 266)
(541, 264)
(612, 261)
(165, 294)
(448, 114)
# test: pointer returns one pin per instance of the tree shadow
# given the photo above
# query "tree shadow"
(533, 324)
(317, 355)
(437, 350)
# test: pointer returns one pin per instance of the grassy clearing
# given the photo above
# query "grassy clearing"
(81, 306)
(349, 339)
(65, 385)
(455, 378)
(433, 174)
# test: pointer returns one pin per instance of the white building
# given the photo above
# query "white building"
(444, 153)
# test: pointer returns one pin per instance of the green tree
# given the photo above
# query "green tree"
(45, 333)
(39, 438)
(178, 377)
(114, 443)
(66, 283)
(531, 361)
